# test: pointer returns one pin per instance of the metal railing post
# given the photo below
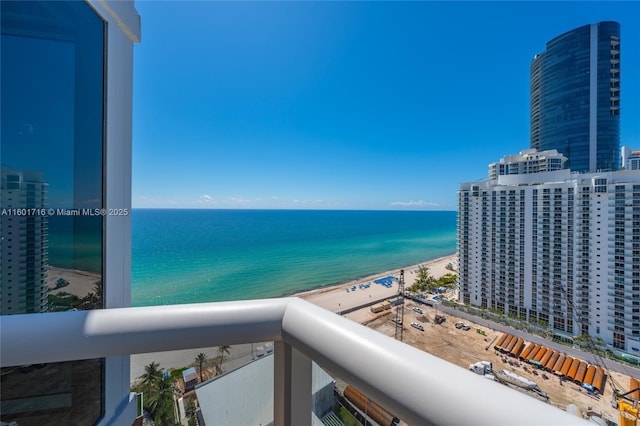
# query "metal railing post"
(292, 386)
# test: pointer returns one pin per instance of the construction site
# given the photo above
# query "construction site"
(569, 383)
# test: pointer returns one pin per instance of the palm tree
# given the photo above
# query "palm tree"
(423, 281)
(161, 402)
(151, 374)
(222, 350)
(201, 358)
(98, 291)
(216, 365)
(93, 299)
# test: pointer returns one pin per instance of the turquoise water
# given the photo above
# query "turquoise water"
(75, 242)
(186, 256)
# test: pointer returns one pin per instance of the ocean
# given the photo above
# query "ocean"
(188, 256)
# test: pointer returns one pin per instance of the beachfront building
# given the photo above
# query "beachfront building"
(554, 246)
(575, 97)
(630, 158)
(23, 242)
(66, 93)
(526, 162)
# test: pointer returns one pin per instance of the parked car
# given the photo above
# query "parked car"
(417, 310)
(397, 321)
(417, 325)
(466, 327)
(459, 325)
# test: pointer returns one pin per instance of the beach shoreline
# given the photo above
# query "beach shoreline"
(340, 297)
(453, 258)
(332, 297)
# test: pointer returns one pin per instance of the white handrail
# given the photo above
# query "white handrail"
(415, 386)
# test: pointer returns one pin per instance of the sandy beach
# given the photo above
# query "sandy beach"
(80, 282)
(333, 298)
(337, 298)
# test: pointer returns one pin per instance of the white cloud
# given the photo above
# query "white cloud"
(310, 204)
(205, 198)
(145, 201)
(412, 203)
(239, 200)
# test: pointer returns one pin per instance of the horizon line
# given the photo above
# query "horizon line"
(290, 209)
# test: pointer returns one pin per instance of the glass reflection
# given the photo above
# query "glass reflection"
(52, 61)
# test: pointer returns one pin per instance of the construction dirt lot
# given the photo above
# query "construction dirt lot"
(467, 347)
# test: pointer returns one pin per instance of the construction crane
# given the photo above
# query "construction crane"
(627, 404)
(400, 309)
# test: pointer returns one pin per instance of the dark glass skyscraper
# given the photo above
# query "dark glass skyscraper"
(575, 97)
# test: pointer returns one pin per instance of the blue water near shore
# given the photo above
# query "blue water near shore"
(187, 256)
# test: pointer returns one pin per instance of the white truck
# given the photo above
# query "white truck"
(483, 368)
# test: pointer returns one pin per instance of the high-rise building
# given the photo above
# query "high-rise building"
(554, 246)
(630, 158)
(23, 242)
(575, 97)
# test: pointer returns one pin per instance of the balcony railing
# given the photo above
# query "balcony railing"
(419, 388)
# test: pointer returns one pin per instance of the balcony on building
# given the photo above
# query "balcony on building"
(303, 333)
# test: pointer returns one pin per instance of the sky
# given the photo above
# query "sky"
(343, 105)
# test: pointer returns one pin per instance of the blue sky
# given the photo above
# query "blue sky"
(343, 105)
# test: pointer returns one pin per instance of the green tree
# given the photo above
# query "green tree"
(447, 280)
(152, 373)
(201, 358)
(424, 280)
(92, 300)
(153, 385)
(220, 353)
(161, 403)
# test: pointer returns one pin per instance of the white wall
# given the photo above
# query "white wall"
(123, 23)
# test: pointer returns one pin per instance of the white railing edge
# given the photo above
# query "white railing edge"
(415, 386)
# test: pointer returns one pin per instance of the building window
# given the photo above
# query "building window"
(52, 93)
